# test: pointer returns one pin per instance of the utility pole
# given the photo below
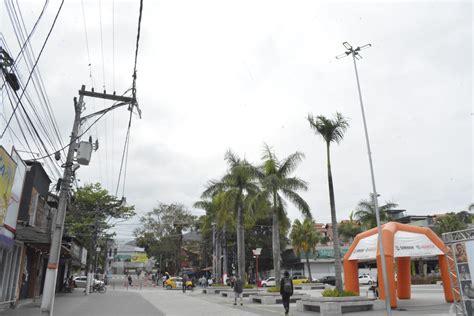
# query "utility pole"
(355, 55)
(214, 254)
(47, 301)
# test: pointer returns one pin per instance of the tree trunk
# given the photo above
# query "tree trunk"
(276, 241)
(309, 267)
(240, 242)
(224, 252)
(218, 257)
(335, 236)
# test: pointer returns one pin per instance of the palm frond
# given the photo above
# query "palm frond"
(289, 164)
(298, 201)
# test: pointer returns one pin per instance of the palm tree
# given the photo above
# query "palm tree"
(276, 182)
(304, 237)
(331, 130)
(238, 184)
(365, 212)
(217, 213)
(349, 229)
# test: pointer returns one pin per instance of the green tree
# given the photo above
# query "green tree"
(365, 213)
(93, 212)
(161, 232)
(219, 214)
(448, 223)
(332, 131)
(304, 237)
(239, 184)
(276, 182)
(349, 229)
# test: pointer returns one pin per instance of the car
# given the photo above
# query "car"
(268, 282)
(329, 279)
(299, 279)
(177, 283)
(80, 281)
(366, 279)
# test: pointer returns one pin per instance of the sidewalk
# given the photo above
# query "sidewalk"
(77, 304)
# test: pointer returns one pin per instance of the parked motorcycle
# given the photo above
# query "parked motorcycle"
(99, 287)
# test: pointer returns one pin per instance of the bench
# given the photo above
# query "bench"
(274, 298)
(331, 306)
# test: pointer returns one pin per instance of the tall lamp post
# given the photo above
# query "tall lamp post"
(256, 253)
(354, 52)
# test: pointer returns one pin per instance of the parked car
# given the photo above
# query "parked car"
(366, 279)
(329, 279)
(269, 282)
(298, 279)
(177, 283)
(80, 281)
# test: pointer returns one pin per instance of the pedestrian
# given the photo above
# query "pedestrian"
(286, 291)
(129, 280)
(185, 280)
(238, 289)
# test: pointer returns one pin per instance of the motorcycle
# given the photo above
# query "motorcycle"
(99, 287)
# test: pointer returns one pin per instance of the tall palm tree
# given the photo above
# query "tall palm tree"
(239, 184)
(218, 213)
(349, 229)
(365, 212)
(276, 182)
(332, 131)
(304, 237)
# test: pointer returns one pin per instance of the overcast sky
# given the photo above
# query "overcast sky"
(218, 75)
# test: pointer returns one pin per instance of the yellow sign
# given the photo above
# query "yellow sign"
(139, 257)
(7, 175)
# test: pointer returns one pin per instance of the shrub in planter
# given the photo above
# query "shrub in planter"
(248, 286)
(219, 284)
(336, 293)
(273, 289)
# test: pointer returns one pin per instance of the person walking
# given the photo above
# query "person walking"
(286, 291)
(129, 280)
(185, 280)
(238, 289)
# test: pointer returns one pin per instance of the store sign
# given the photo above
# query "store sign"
(409, 244)
(7, 174)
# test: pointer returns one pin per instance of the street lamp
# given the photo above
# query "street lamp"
(256, 253)
(356, 55)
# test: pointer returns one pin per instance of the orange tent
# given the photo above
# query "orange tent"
(400, 242)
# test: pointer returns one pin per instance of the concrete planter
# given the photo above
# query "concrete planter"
(214, 290)
(245, 293)
(310, 286)
(335, 305)
(274, 298)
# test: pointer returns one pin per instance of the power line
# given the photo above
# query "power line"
(34, 66)
(87, 45)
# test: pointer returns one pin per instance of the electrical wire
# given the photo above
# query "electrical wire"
(87, 45)
(34, 66)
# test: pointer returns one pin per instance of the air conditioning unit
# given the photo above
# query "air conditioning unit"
(84, 152)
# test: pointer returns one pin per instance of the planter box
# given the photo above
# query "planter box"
(335, 305)
(310, 286)
(245, 293)
(214, 290)
(274, 298)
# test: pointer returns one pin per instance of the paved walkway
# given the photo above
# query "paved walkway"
(96, 304)
(427, 300)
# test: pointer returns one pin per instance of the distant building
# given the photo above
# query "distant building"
(128, 257)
